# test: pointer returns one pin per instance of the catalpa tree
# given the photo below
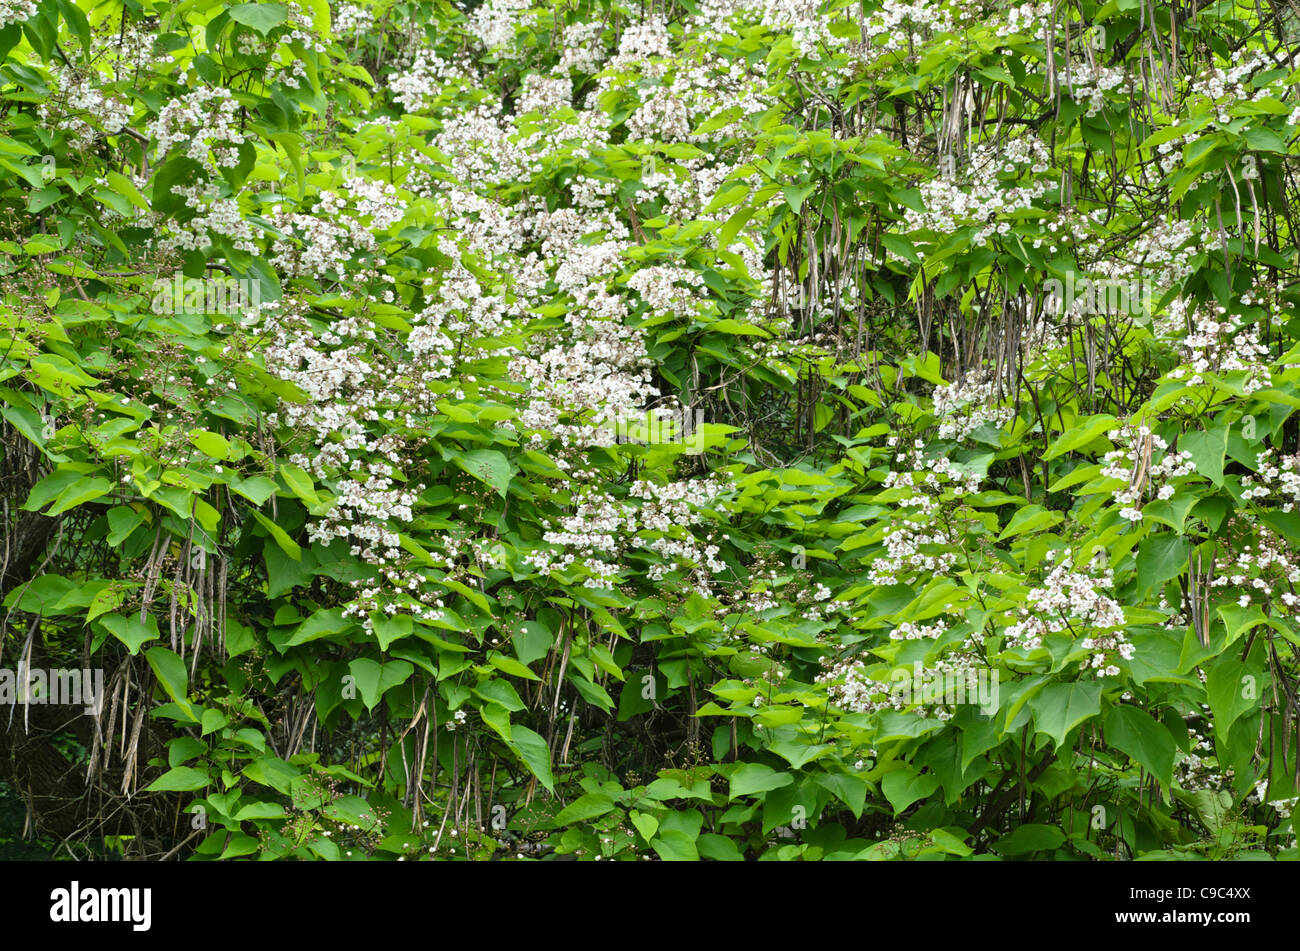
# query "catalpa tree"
(713, 429)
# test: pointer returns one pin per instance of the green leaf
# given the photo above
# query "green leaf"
(122, 521)
(498, 718)
(1264, 139)
(487, 465)
(795, 195)
(902, 787)
(287, 544)
(949, 843)
(1160, 557)
(259, 810)
(129, 630)
(798, 754)
(170, 670)
(10, 36)
(591, 691)
(389, 629)
(273, 772)
(374, 679)
(1208, 450)
(1232, 689)
(533, 751)
(1031, 837)
(1287, 524)
(1133, 731)
(1090, 430)
(719, 848)
(511, 666)
(673, 845)
(323, 623)
(124, 186)
(299, 483)
(180, 779)
(366, 673)
(585, 807)
(210, 444)
(533, 642)
(81, 491)
(256, 489)
(38, 201)
(262, 17)
(106, 600)
(733, 225)
(647, 825)
(1171, 512)
(750, 778)
(1059, 708)
(499, 690)
(1029, 518)
(1237, 620)
(212, 720)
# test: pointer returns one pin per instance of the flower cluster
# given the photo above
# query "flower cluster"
(351, 19)
(985, 190)
(1143, 463)
(918, 541)
(850, 688)
(934, 686)
(84, 106)
(342, 226)
(213, 215)
(1271, 480)
(1265, 572)
(207, 122)
(1226, 88)
(657, 522)
(493, 22)
(967, 404)
(1074, 602)
(15, 11)
(1216, 345)
(907, 631)
(1089, 83)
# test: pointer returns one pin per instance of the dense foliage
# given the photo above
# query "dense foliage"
(966, 334)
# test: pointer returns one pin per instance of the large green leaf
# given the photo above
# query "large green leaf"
(170, 670)
(1089, 430)
(1160, 557)
(180, 779)
(1232, 689)
(1208, 450)
(1059, 708)
(487, 465)
(130, 631)
(533, 751)
(1134, 732)
(902, 787)
(675, 846)
(589, 806)
(323, 623)
(263, 17)
(1031, 837)
(751, 778)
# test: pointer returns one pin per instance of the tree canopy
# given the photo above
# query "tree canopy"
(692, 429)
